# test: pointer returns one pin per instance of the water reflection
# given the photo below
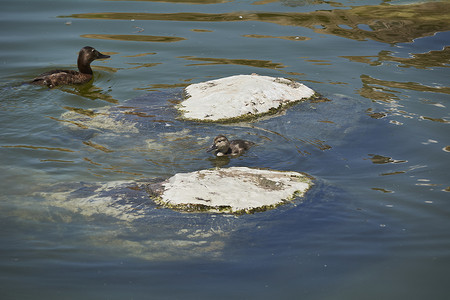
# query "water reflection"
(296, 3)
(382, 190)
(226, 61)
(389, 93)
(201, 30)
(319, 144)
(292, 3)
(90, 91)
(181, 1)
(134, 38)
(380, 159)
(141, 54)
(142, 65)
(439, 120)
(39, 148)
(163, 86)
(386, 23)
(375, 115)
(97, 146)
(289, 38)
(428, 60)
(369, 83)
(319, 62)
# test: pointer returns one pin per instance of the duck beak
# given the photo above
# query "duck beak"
(101, 56)
(213, 147)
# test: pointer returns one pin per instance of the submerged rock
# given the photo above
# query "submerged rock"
(121, 200)
(230, 190)
(127, 222)
(240, 97)
(233, 190)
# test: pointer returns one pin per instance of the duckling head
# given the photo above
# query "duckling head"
(220, 144)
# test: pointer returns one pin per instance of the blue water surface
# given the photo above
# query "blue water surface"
(374, 225)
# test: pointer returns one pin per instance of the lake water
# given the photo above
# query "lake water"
(374, 226)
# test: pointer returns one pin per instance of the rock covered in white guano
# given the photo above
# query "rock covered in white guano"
(240, 96)
(232, 190)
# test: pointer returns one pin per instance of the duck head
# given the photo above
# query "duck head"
(86, 56)
(220, 144)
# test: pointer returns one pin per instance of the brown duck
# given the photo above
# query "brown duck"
(223, 146)
(59, 77)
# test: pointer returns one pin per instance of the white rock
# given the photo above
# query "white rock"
(232, 190)
(240, 95)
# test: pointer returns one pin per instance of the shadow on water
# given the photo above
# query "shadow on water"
(90, 91)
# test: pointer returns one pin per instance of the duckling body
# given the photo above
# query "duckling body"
(223, 146)
(84, 74)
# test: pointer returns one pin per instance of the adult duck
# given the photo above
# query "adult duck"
(59, 77)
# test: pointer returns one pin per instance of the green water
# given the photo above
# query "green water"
(375, 225)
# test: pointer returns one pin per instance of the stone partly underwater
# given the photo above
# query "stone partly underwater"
(231, 190)
(224, 190)
(240, 97)
(183, 230)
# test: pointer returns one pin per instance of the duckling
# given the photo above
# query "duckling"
(224, 147)
(58, 77)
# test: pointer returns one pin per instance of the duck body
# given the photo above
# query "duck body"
(60, 77)
(223, 146)
(84, 74)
